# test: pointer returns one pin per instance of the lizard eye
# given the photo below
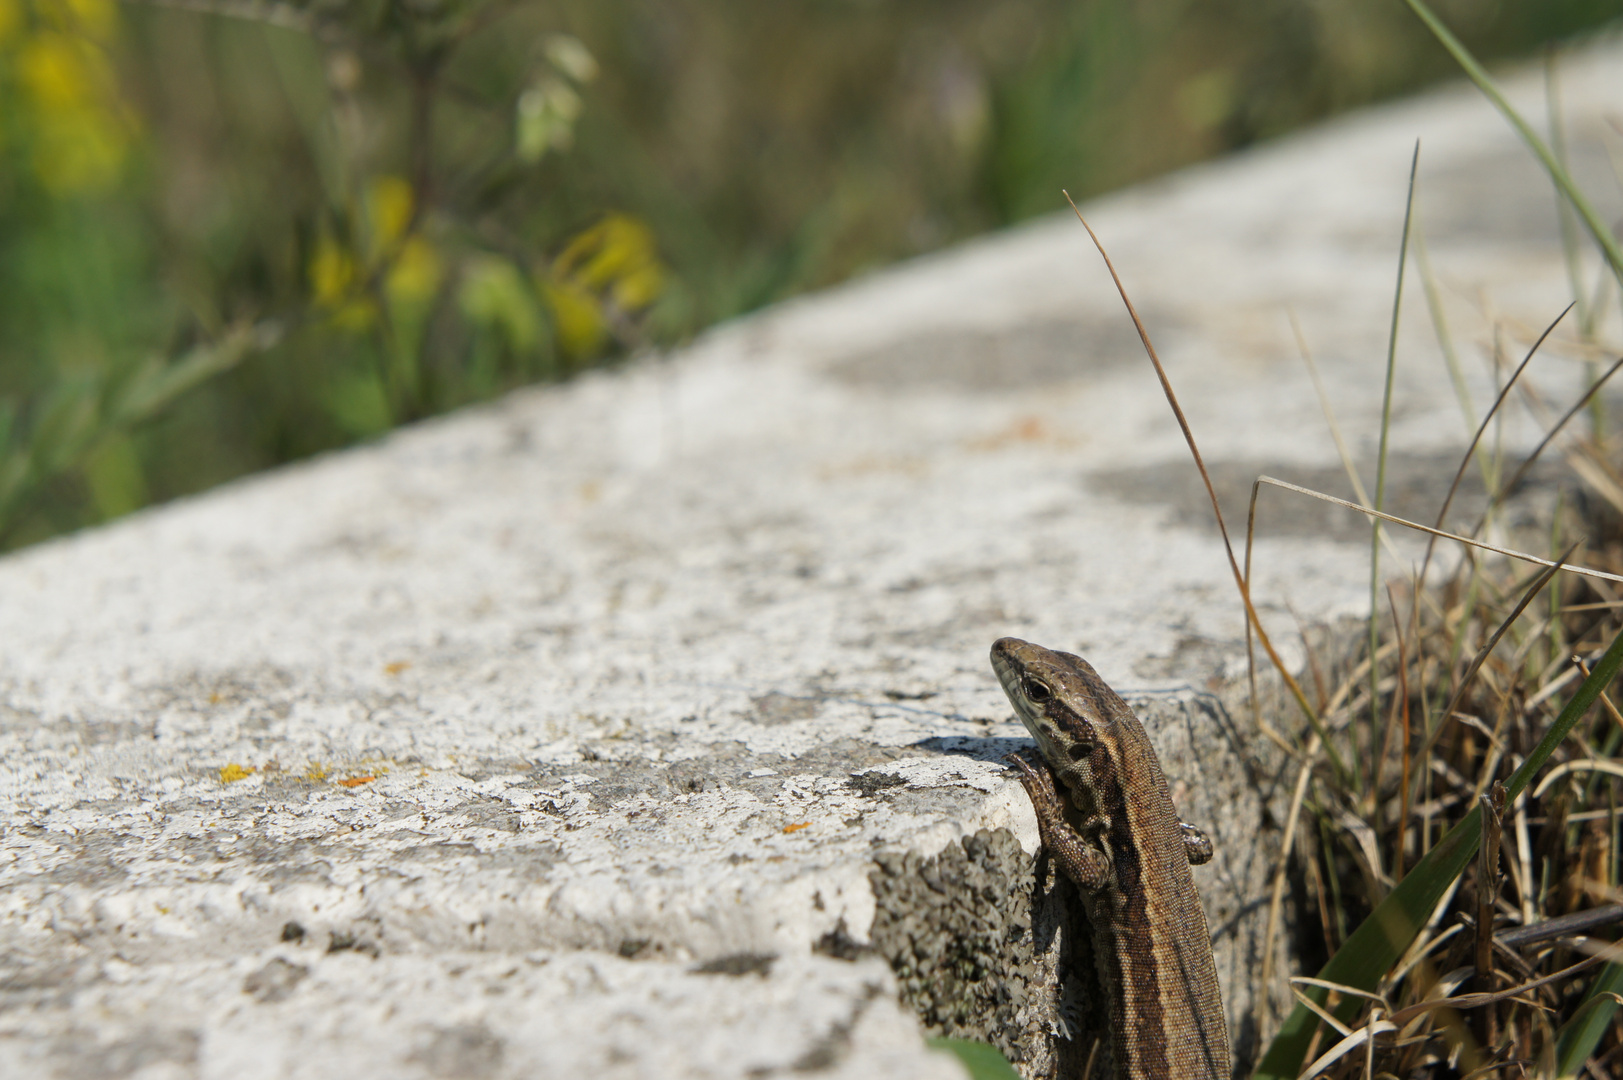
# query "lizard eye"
(1038, 692)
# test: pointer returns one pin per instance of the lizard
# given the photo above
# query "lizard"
(1121, 842)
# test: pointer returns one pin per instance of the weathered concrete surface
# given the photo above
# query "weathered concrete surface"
(515, 744)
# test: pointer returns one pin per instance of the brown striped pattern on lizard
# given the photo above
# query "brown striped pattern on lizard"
(1119, 839)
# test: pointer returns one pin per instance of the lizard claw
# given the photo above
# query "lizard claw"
(1038, 780)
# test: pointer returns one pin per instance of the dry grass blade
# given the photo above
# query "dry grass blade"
(1482, 544)
(1493, 813)
(1516, 477)
(1353, 1041)
(1476, 439)
(1569, 768)
(1581, 922)
(1386, 934)
(1276, 897)
(1487, 649)
(1476, 1001)
(1211, 492)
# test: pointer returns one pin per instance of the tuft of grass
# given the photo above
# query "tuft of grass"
(1455, 817)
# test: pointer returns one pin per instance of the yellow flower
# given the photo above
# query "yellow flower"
(61, 72)
(332, 272)
(582, 330)
(389, 203)
(415, 275)
(639, 287)
(82, 134)
(613, 248)
(11, 17)
(334, 284)
(615, 262)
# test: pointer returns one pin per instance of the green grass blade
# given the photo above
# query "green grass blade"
(154, 387)
(1378, 942)
(1578, 1037)
(983, 1060)
(1380, 481)
(1598, 229)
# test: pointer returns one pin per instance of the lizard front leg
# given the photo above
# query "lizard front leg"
(1084, 863)
(1196, 844)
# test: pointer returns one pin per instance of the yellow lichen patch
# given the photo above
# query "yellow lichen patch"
(797, 827)
(357, 781)
(315, 771)
(230, 774)
(395, 667)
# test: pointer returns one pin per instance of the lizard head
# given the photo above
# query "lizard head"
(1056, 695)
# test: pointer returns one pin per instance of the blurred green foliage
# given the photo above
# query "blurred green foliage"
(238, 232)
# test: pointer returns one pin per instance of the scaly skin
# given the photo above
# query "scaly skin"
(1129, 855)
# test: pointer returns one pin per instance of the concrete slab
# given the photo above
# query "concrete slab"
(643, 726)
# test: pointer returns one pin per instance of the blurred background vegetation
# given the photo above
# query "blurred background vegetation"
(234, 233)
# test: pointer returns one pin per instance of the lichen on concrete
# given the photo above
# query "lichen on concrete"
(956, 929)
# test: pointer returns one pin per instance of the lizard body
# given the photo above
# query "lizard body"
(1122, 844)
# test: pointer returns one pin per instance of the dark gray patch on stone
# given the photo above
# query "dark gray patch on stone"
(956, 929)
(486, 813)
(436, 852)
(736, 964)
(845, 755)
(289, 863)
(702, 774)
(727, 765)
(839, 944)
(1503, 195)
(66, 731)
(972, 747)
(1195, 661)
(349, 941)
(835, 1044)
(527, 863)
(1038, 353)
(96, 858)
(776, 708)
(872, 783)
(463, 1052)
(485, 768)
(950, 802)
(79, 1055)
(1415, 488)
(275, 981)
(40, 986)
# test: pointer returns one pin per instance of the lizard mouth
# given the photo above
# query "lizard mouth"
(1011, 661)
(1004, 664)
